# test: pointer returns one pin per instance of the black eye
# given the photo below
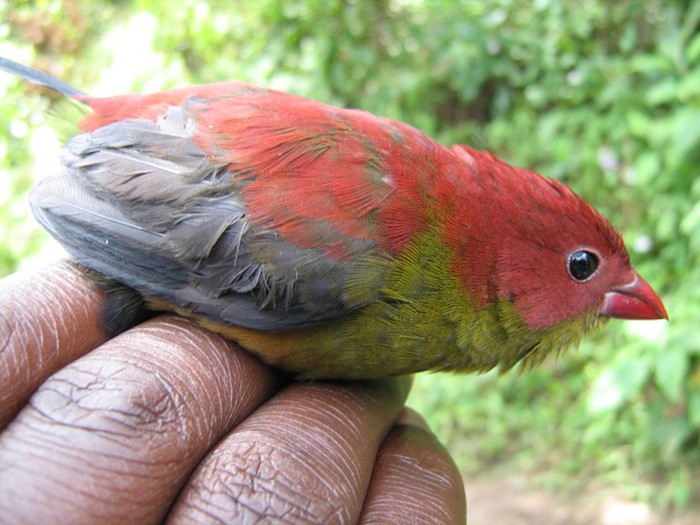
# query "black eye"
(582, 265)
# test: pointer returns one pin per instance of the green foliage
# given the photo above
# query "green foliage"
(602, 95)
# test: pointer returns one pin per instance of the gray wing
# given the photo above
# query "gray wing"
(139, 202)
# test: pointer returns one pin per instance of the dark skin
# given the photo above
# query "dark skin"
(169, 422)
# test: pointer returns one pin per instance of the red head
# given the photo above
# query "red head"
(533, 241)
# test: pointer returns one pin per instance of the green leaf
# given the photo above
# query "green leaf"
(689, 88)
(691, 222)
(618, 384)
(688, 136)
(647, 166)
(639, 123)
(670, 372)
(664, 92)
(648, 64)
(694, 408)
(692, 53)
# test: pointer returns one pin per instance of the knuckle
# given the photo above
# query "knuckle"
(260, 480)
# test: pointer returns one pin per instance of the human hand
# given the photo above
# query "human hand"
(169, 422)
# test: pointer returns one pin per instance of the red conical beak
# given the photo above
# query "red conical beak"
(635, 300)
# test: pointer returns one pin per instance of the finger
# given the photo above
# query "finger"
(112, 437)
(414, 479)
(408, 416)
(304, 457)
(47, 319)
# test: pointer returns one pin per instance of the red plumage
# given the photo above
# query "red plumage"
(348, 168)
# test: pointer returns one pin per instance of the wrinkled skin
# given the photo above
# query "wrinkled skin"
(169, 422)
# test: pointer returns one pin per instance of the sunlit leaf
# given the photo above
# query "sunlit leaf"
(670, 371)
(618, 384)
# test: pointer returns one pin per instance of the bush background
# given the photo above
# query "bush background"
(604, 96)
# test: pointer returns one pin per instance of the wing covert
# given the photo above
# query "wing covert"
(141, 202)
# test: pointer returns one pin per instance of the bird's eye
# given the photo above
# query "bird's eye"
(582, 265)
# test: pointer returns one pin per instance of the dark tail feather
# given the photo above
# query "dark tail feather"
(123, 308)
(37, 77)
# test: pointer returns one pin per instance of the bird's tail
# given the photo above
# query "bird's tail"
(37, 77)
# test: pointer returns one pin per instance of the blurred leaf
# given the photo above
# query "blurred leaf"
(670, 372)
(694, 408)
(693, 51)
(691, 221)
(689, 88)
(688, 137)
(663, 92)
(618, 384)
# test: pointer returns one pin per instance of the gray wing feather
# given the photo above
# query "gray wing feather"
(139, 202)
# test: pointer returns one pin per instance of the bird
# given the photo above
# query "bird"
(330, 242)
